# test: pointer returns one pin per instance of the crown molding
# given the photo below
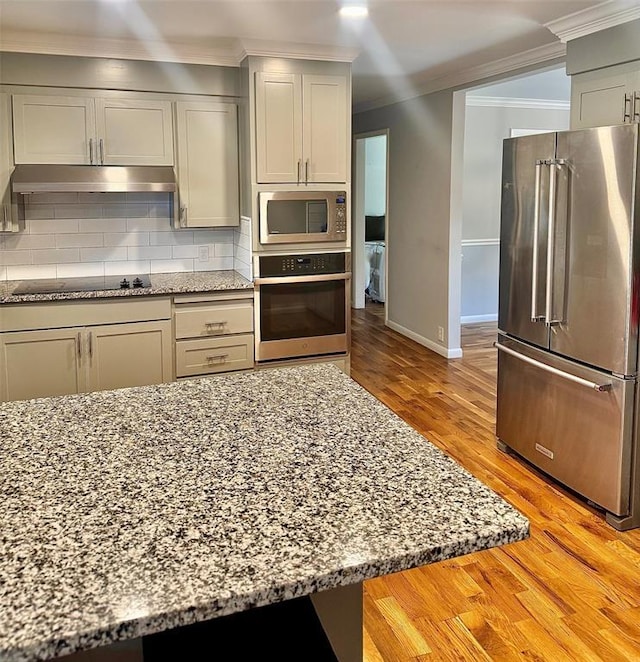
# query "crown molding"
(605, 15)
(229, 55)
(296, 50)
(529, 58)
(516, 102)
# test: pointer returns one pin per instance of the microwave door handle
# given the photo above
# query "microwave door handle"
(283, 280)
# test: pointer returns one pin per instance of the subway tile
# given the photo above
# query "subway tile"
(53, 226)
(222, 236)
(149, 252)
(160, 210)
(171, 238)
(214, 264)
(68, 198)
(103, 225)
(244, 241)
(245, 226)
(170, 266)
(126, 239)
(37, 212)
(243, 270)
(31, 271)
(110, 254)
(125, 210)
(3, 273)
(126, 267)
(221, 250)
(80, 270)
(184, 251)
(148, 196)
(79, 240)
(56, 256)
(148, 224)
(22, 241)
(78, 211)
(242, 255)
(12, 258)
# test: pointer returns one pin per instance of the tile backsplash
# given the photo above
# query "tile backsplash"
(94, 234)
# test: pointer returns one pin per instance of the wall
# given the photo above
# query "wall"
(375, 176)
(420, 134)
(486, 126)
(75, 234)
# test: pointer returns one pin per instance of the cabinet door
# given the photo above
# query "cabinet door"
(325, 118)
(39, 364)
(135, 354)
(208, 177)
(50, 129)
(600, 102)
(279, 127)
(134, 132)
(8, 211)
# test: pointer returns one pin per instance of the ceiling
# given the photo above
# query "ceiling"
(400, 49)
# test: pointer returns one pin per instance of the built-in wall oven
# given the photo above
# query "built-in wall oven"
(302, 305)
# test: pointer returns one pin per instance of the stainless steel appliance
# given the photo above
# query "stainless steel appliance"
(302, 305)
(569, 311)
(92, 283)
(291, 217)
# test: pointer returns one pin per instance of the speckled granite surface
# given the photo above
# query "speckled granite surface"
(128, 512)
(175, 283)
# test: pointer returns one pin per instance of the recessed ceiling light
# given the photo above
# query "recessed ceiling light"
(354, 11)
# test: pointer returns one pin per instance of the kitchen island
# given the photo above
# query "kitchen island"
(130, 512)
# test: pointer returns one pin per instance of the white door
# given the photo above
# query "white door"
(207, 164)
(51, 129)
(279, 128)
(134, 132)
(325, 118)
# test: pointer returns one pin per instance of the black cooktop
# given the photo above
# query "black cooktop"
(93, 283)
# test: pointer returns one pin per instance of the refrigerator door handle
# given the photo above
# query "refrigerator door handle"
(551, 235)
(536, 234)
(555, 371)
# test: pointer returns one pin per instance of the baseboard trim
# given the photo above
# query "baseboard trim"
(471, 319)
(425, 342)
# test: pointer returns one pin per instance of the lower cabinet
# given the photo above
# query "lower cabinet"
(214, 333)
(94, 348)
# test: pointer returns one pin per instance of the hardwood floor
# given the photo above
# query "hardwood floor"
(569, 593)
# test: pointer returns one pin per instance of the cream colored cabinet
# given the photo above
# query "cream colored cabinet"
(88, 346)
(8, 210)
(92, 131)
(207, 164)
(214, 333)
(605, 97)
(301, 128)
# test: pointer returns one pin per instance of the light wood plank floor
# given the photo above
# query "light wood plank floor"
(569, 593)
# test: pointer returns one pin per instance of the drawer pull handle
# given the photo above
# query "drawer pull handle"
(217, 357)
(217, 325)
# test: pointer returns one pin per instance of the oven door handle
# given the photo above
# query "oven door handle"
(316, 278)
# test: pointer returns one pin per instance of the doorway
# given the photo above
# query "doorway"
(370, 220)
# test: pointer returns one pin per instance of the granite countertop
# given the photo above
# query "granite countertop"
(172, 283)
(128, 512)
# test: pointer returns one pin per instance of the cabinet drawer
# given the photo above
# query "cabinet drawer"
(209, 355)
(212, 319)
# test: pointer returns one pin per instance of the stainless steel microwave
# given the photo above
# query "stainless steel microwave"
(291, 217)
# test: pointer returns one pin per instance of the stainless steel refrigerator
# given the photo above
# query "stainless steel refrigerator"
(569, 310)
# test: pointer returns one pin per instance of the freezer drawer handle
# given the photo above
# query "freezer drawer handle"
(555, 371)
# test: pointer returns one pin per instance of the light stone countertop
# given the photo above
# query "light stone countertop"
(128, 512)
(161, 284)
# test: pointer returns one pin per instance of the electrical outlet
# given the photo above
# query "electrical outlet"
(440, 333)
(203, 253)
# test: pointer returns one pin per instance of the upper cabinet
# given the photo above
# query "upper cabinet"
(92, 131)
(301, 128)
(605, 97)
(207, 164)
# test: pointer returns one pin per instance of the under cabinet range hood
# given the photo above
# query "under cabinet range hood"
(92, 179)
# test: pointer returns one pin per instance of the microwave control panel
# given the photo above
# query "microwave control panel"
(341, 214)
(297, 265)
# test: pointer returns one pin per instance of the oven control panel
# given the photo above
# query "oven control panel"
(341, 214)
(298, 265)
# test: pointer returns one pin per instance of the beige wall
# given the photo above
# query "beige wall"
(420, 138)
